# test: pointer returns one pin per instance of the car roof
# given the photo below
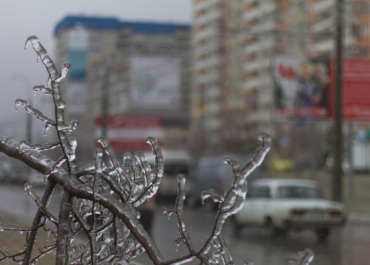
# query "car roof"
(284, 182)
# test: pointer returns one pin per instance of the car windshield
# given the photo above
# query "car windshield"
(298, 192)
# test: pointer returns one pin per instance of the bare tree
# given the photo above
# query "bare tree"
(109, 193)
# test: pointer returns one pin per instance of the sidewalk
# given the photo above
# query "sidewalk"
(358, 207)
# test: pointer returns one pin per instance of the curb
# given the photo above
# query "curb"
(358, 218)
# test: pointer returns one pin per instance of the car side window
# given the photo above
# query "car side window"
(259, 192)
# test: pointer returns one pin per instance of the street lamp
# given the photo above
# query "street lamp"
(27, 83)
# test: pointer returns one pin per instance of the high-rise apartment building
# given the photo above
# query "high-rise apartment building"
(234, 45)
(133, 69)
(232, 51)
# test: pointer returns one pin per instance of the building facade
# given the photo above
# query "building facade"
(123, 68)
(234, 44)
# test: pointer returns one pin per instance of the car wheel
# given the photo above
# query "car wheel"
(322, 234)
(269, 228)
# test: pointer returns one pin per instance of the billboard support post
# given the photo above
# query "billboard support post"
(351, 184)
(313, 153)
(337, 148)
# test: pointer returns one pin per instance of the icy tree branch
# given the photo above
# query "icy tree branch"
(101, 199)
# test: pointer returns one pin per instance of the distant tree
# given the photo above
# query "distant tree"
(109, 194)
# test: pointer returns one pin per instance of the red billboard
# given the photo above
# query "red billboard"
(356, 89)
(129, 132)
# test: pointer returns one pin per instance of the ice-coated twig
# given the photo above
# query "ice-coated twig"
(47, 214)
(232, 201)
(8, 255)
(63, 229)
(32, 235)
(42, 88)
(100, 168)
(33, 111)
(154, 175)
(38, 147)
(69, 127)
(55, 167)
(122, 179)
(43, 55)
(305, 257)
(179, 213)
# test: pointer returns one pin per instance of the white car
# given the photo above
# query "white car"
(282, 204)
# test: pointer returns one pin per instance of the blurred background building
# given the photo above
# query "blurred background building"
(130, 73)
(234, 45)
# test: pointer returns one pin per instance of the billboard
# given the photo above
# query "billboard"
(76, 96)
(129, 132)
(301, 88)
(155, 82)
(356, 89)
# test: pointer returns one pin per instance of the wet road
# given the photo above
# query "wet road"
(349, 245)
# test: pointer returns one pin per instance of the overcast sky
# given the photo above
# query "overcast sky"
(23, 18)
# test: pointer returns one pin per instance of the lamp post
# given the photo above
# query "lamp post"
(27, 83)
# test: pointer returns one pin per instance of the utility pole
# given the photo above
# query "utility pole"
(337, 148)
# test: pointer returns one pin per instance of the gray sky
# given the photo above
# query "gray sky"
(23, 18)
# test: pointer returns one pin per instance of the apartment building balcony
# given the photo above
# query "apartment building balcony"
(258, 46)
(265, 26)
(206, 78)
(349, 40)
(250, 1)
(321, 6)
(259, 12)
(204, 5)
(209, 47)
(257, 65)
(265, 98)
(325, 46)
(256, 83)
(204, 34)
(252, 117)
(213, 93)
(213, 108)
(263, 116)
(325, 25)
(213, 123)
(207, 63)
(211, 15)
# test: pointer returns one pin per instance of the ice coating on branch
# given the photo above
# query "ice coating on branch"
(42, 88)
(111, 153)
(29, 190)
(69, 127)
(217, 198)
(60, 104)
(64, 68)
(214, 250)
(33, 111)
(43, 55)
(47, 127)
(305, 257)
(38, 147)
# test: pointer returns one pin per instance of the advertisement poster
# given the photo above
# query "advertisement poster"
(129, 132)
(356, 89)
(155, 82)
(301, 88)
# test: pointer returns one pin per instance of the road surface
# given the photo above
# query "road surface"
(349, 245)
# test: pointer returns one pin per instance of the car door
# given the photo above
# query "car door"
(254, 205)
(261, 204)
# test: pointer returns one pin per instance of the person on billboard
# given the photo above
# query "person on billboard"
(321, 82)
(305, 86)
